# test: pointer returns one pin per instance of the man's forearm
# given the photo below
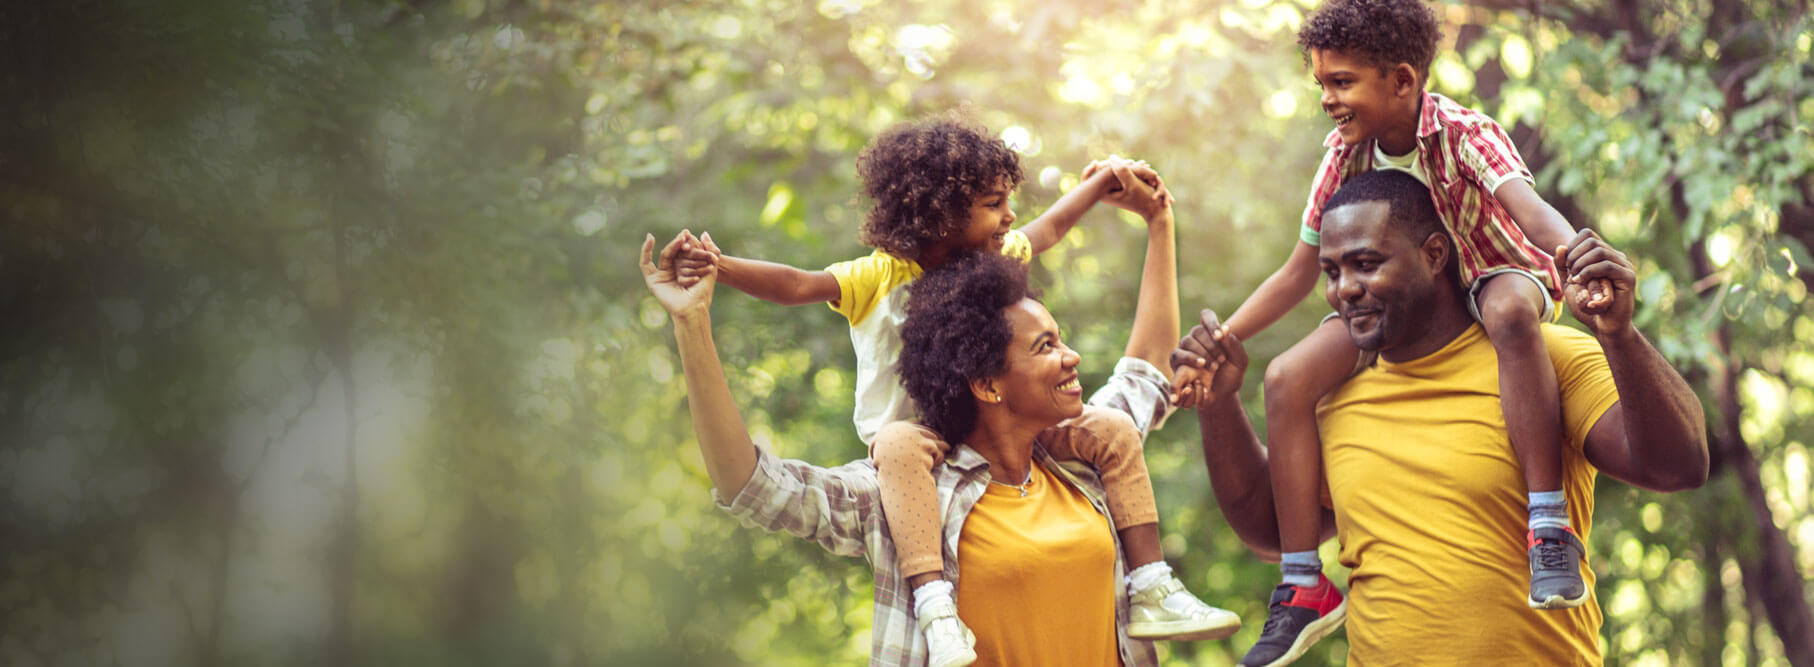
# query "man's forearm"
(1239, 474)
(1664, 424)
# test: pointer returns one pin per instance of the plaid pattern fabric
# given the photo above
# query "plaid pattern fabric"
(1466, 156)
(840, 509)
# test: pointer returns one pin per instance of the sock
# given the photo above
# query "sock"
(1148, 575)
(1300, 568)
(1548, 509)
(937, 589)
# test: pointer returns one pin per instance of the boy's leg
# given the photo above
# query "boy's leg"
(1162, 609)
(905, 453)
(1305, 606)
(1511, 306)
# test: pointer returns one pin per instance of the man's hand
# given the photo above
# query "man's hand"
(1599, 283)
(1209, 350)
(680, 297)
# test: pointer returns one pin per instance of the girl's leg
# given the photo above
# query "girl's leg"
(1108, 440)
(905, 453)
(1295, 382)
(1511, 308)
(1161, 607)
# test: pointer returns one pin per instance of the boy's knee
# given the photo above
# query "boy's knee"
(1288, 384)
(1510, 316)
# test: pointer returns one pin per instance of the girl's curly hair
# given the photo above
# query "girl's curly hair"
(923, 177)
(957, 330)
(1385, 32)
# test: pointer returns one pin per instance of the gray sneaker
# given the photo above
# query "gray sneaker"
(1556, 556)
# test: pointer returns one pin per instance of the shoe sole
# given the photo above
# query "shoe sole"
(1186, 631)
(958, 661)
(1313, 633)
(1557, 602)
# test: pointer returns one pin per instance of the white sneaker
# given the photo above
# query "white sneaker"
(947, 639)
(1168, 611)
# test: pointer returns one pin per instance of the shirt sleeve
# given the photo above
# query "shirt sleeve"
(1137, 388)
(1490, 157)
(837, 508)
(1584, 378)
(1328, 180)
(1017, 245)
(860, 282)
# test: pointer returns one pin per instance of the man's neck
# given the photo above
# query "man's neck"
(1447, 321)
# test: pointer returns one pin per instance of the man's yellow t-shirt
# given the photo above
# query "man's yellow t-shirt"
(1430, 507)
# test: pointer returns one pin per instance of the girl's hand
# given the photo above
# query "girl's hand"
(681, 300)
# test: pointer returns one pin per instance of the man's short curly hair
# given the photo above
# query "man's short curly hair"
(957, 330)
(1385, 32)
(924, 175)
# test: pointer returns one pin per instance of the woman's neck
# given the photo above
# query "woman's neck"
(1005, 441)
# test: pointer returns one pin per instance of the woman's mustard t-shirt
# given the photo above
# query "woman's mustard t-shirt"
(1038, 581)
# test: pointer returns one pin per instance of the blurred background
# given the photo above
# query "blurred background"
(325, 344)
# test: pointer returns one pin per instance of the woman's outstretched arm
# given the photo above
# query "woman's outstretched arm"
(730, 457)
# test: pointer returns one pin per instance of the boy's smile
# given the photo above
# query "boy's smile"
(1366, 103)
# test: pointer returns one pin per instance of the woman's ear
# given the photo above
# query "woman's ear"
(984, 390)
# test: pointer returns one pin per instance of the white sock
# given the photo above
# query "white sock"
(935, 590)
(1148, 575)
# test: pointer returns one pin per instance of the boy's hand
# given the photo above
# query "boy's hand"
(1210, 351)
(698, 258)
(1599, 283)
(663, 279)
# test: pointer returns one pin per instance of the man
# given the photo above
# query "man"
(1422, 482)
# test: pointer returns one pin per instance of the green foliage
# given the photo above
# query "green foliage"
(327, 341)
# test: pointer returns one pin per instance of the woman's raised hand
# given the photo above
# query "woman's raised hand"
(683, 291)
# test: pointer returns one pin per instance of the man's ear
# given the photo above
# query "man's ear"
(1436, 252)
(1404, 80)
(984, 390)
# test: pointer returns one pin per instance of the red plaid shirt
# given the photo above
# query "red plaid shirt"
(1466, 155)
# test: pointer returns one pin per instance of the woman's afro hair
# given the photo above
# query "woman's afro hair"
(1385, 32)
(923, 176)
(957, 330)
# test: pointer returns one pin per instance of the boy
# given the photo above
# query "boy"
(1371, 59)
(940, 189)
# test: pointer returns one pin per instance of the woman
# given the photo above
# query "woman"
(1042, 576)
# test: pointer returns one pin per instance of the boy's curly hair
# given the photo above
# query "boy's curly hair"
(1385, 32)
(957, 330)
(923, 177)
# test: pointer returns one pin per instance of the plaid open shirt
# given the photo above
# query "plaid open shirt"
(840, 509)
(1466, 155)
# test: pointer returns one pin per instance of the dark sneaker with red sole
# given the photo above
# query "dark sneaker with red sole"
(1556, 557)
(1298, 618)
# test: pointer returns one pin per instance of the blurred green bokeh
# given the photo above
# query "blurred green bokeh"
(325, 341)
